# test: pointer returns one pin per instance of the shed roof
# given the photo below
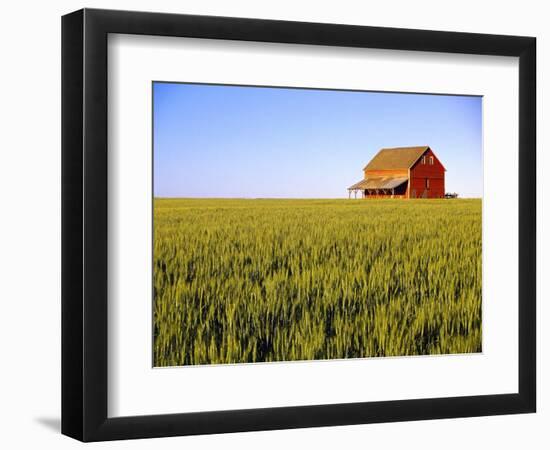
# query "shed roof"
(379, 183)
(396, 158)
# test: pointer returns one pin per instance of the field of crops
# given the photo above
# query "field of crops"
(277, 280)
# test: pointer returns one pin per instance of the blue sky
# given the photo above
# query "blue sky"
(234, 141)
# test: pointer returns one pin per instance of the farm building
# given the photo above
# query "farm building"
(402, 172)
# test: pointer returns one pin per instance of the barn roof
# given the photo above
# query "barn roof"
(396, 158)
(379, 183)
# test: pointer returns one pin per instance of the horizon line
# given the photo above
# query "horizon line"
(297, 198)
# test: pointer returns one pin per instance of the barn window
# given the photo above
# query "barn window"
(427, 183)
(423, 160)
(431, 160)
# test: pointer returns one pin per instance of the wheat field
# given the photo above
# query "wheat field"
(242, 281)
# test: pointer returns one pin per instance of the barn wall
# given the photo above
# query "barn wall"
(435, 173)
(374, 197)
(436, 190)
(426, 170)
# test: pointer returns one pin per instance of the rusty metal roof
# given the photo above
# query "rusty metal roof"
(379, 183)
(396, 158)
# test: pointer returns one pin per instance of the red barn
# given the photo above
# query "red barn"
(402, 172)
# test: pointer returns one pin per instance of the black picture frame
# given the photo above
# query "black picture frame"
(84, 224)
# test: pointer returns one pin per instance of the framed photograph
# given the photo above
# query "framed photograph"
(272, 224)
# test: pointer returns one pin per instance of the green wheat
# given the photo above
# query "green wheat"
(278, 280)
